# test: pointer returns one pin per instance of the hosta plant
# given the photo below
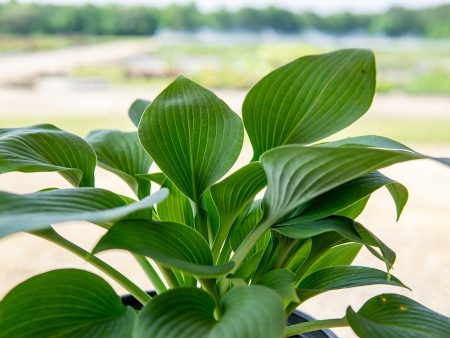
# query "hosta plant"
(229, 254)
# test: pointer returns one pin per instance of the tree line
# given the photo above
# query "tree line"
(31, 18)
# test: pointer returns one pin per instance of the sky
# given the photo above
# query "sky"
(319, 6)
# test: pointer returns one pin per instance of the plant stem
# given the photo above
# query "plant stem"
(209, 285)
(169, 276)
(151, 273)
(286, 254)
(314, 326)
(249, 242)
(52, 236)
(201, 224)
(179, 277)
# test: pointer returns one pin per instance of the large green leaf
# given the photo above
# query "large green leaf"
(172, 244)
(247, 311)
(121, 153)
(355, 209)
(36, 211)
(394, 316)
(341, 277)
(296, 174)
(298, 257)
(346, 227)
(309, 99)
(240, 232)
(192, 135)
(282, 281)
(233, 194)
(47, 148)
(351, 192)
(343, 254)
(64, 303)
(176, 207)
(136, 110)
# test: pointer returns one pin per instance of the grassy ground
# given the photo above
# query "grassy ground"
(411, 131)
(19, 44)
(422, 67)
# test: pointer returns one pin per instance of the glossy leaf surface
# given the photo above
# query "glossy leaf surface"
(136, 110)
(351, 192)
(390, 315)
(234, 193)
(64, 303)
(341, 277)
(121, 153)
(309, 99)
(296, 174)
(345, 227)
(247, 311)
(44, 148)
(175, 245)
(192, 135)
(36, 211)
(283, 282)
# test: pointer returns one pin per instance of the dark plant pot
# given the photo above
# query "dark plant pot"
(295, 318)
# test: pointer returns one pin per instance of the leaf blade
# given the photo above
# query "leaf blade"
(248, 311)
(309, 99)
(192, 135)
(175, 245)
(122, 154)
(67, 302)
(44, 148)
(136, 110)
(37, 210)
(342, 277)
(391, 315)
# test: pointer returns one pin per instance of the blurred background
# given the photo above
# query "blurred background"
(79, 65)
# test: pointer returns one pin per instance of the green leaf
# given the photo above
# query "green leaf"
(136, 110)
(44, 148)
(355, 209)
(36, 211)
(192, 135)
(175, 245)
(246, 270)
(64, 303)
(299, 257)
(342, 277)
(247, 311)
(347, 194)
(176, 207)
(390, 315)
(240, 232)
(158, 178)
(346, 227)
(309, 99)
(233, 194)
(343, 254)
(296, 174)
(283, 282)
(121, 153)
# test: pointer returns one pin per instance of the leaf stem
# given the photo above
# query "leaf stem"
(169, 276)
(201, 224)
(249, 242)
(209, 285)
(52, 236)
(151, 273)
(314, 326)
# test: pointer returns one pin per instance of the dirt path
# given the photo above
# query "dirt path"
(23, 67)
